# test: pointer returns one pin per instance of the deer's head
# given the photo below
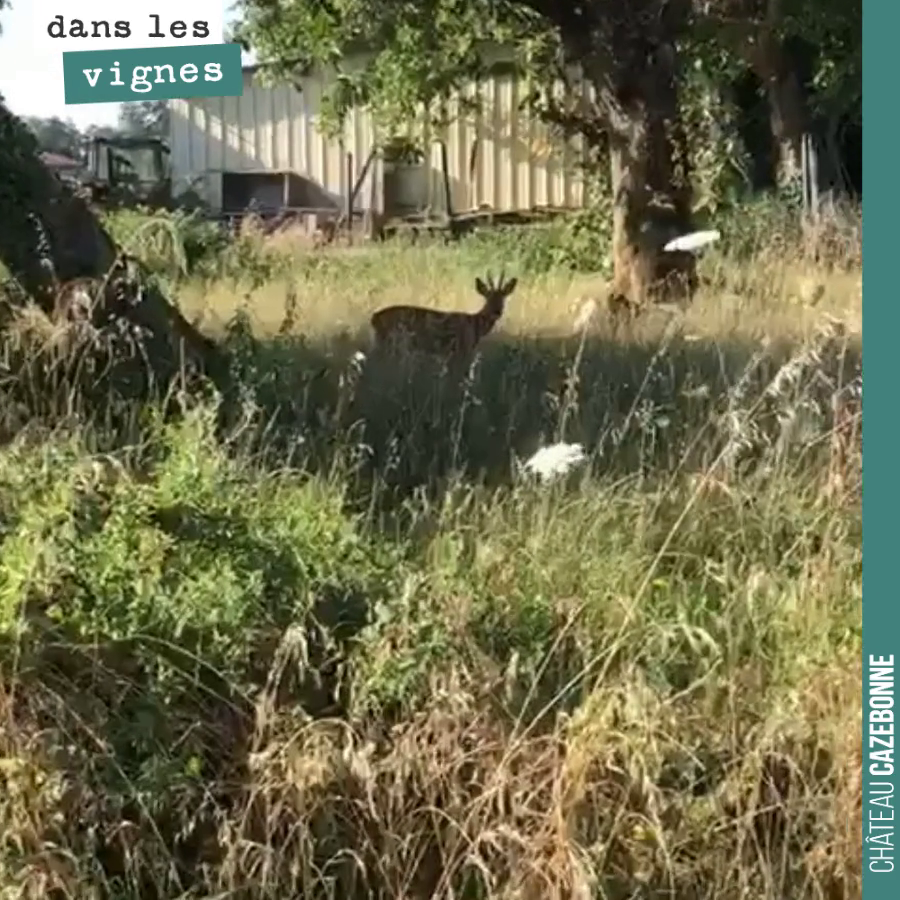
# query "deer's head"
(495, 293)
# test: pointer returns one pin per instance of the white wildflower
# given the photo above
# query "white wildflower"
(558, 459)
(693, 241)
(587, 309)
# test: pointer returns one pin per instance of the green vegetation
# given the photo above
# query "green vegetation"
(321, 634)
(337, 644)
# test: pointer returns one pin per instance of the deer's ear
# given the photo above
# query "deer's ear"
(511, 285)
(480, 286)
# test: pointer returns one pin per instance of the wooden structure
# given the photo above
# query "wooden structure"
(265, 152)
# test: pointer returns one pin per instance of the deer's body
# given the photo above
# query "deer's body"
(435, 332)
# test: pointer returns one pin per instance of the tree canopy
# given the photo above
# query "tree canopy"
(145, 118)
(398, 59)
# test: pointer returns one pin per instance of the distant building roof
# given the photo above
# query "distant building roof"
(59, 161)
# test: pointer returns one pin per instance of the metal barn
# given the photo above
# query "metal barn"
(263, 150)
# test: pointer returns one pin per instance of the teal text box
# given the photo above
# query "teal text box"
(153, 73)
(881, 476)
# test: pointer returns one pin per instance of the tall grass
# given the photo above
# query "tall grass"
(343, 645)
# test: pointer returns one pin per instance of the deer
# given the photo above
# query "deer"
(442, 333)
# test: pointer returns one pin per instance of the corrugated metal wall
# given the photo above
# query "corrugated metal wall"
(517, 164)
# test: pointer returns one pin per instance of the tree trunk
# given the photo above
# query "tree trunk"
(788, 109)
(783, 68)
(649, 160)
(649, 209)
(48, 237)
(627, 52)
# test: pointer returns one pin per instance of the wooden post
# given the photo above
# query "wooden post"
(362, 176)
(359, 183)
(348, 212)
(448, 193)
(445, 169)
(473, 163)
(377, 214)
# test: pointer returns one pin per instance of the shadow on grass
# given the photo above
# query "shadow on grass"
(414, 424)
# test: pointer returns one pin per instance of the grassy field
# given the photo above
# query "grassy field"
(350, 648)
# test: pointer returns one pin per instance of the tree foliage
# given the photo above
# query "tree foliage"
(56, 135)
(394, 58)
(398, 58)
(145, 118)
(137, 119)
(830, 30)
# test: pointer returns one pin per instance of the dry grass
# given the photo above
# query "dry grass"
(772, 299)
(393, 667)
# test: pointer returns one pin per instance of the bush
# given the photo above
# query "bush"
(179, 245)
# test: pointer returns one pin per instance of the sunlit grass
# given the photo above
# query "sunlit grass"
(338, 292)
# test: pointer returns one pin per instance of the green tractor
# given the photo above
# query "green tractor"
(129, 171)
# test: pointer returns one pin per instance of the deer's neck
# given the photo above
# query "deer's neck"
(489, 316)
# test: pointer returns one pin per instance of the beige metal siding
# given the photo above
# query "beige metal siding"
(518, 165)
